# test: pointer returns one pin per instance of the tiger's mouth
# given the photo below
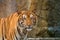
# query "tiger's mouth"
(28, 28)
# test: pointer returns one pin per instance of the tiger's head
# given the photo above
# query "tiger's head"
(27, 20)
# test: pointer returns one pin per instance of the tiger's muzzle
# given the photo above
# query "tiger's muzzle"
(29, 28)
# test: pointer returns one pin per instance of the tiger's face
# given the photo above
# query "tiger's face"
(27, 20)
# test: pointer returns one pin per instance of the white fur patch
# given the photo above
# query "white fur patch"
(28, 29)
(31, 15)
(24, 16)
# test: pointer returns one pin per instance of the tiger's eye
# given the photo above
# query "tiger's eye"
(20, 22)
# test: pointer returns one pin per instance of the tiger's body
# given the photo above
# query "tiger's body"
(12, 27)
(8, 26)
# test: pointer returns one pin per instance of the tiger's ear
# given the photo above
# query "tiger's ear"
(35, 12)
(19, 12)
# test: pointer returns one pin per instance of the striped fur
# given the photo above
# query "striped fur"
(15, 26)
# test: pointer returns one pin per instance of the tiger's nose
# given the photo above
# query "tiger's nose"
(29, 22)
(29, 27)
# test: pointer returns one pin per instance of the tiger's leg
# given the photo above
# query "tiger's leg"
(17, 35)
(1, 29)
(0, 33)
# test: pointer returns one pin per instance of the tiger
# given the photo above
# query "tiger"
(14, 26)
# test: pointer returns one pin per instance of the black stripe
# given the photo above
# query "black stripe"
(16, 37)
(2, 32)
(18, 34)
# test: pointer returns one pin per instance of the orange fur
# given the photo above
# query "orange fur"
(8, 26)
(11, 23)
